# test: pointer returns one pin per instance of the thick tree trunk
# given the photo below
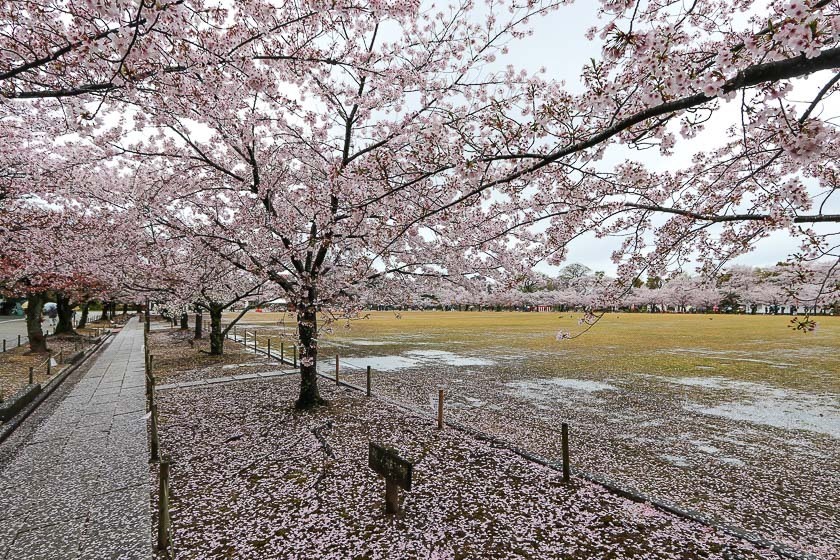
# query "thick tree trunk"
(104, 316)
(185, 322)
(84, 317)
(308, 335)
(198, 332)
(217, 338)
(37, 340)
(65, 315)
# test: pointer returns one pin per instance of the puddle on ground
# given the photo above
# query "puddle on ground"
(407, 360)
(812, 413)
(550, 389)
(376, 363)
(448, 358)
(677, 460)
(765, 404)
(732, 461)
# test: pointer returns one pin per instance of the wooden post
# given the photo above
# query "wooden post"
(440, 409)
(49, 364)
(31, 375)
(269, 347)
(150, 383)
(294, 353)
(392, 497)
(255, 342)
(281, 353)
(61, 356)
(18, 340)
(164, 521)
(4, 345)
(336, 369)
(154, 429)
(565, 444)
(368, 381)
(234, 332)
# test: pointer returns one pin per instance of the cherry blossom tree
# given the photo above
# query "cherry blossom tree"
(325, 150)
(665, 72)
(321, 166)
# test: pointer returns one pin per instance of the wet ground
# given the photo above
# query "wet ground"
(748, 433)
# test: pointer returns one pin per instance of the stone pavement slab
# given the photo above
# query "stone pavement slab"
(79, 488)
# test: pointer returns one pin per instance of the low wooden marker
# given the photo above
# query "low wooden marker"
(440, 409)
(368, 381)
(336, 369)
(396, 470)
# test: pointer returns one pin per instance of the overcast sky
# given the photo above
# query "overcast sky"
(559, 44)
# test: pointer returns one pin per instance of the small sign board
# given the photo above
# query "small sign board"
(394, 468)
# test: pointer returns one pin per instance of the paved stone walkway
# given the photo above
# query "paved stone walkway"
(79, 488)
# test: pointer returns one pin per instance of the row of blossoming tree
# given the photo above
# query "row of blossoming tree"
(797, 289)
(198, 153)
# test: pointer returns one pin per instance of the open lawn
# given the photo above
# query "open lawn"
(734, 416)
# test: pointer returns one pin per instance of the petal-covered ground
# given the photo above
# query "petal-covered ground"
(253, 478)
(737, 417)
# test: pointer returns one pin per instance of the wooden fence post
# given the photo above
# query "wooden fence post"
(269, 347)
(154, 428)
(281, 353)
(164, 521)
(368, 381)
(4, 345)
(18, 340)
(440, 409)
(294, 353)
(565, 444)
(49, 364)
(31, 375)
(336, 370)
(150, 383)
(255, 342)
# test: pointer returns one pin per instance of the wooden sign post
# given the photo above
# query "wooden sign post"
(396, 470)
